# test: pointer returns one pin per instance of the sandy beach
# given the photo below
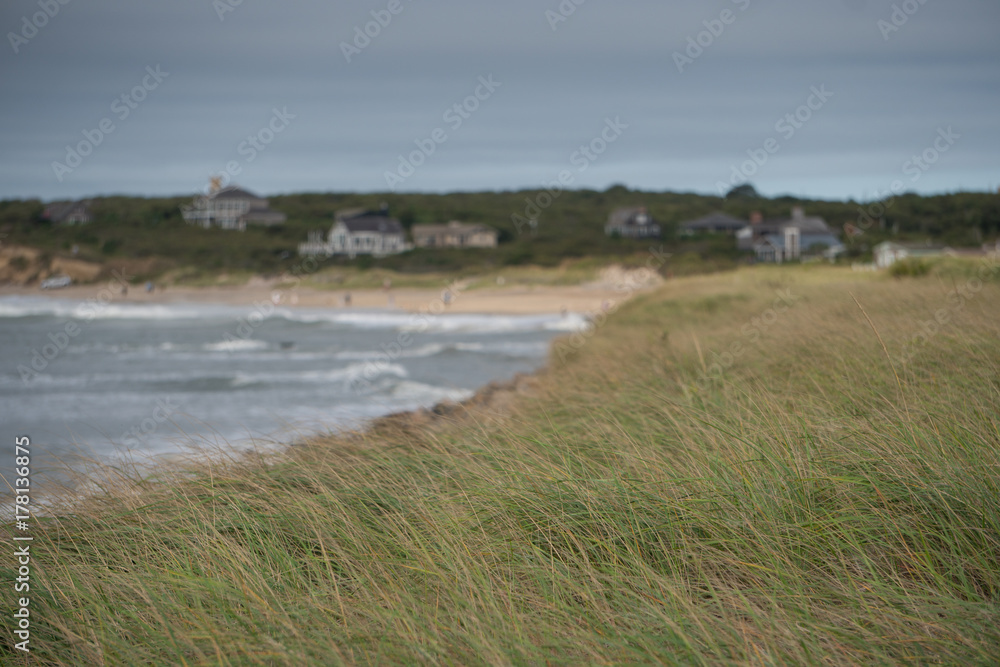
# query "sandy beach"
(511, 300)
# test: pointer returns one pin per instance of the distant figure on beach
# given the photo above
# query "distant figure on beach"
(124, 291)
(347, 299)
(390, 300)
(149, 287)
(446, 297)
(564, 311)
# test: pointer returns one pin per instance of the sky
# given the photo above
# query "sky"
(831, 99)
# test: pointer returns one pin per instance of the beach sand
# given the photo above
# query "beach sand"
(510, 300)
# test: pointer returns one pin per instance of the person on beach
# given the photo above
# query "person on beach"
(347, 299)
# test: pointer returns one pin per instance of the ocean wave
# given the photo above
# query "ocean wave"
(427, 394)
(235, 346)
(27, 306)
(352, 373)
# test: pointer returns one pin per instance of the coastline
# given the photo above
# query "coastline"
(531, 300)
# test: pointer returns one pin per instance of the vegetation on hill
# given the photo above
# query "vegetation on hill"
(778, 465)
(570, 224)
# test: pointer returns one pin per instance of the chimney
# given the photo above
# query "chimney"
(798, 213)
(791, 243)
(214, 184)
(756, 218)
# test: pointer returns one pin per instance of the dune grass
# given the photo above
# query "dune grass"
(826, 496)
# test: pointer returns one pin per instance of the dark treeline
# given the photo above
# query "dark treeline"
(570, 224)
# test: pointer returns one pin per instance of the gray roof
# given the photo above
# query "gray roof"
(58, 211)
(715, 221)
(372, 222)
(234, 192)
(806, 225)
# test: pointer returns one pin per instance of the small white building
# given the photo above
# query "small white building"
(359, 233)
(888, 253)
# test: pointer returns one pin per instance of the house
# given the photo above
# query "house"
(454, 235)
(358, 232)
(230, 208)
(714, 223)
(68, 212)
(788, 239)
(888, 253)
(632, 223)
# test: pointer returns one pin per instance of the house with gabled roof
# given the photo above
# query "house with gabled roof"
(359, 232)
(231, 207)
(632, 223)
(68, 212)
(788, 239)
(455, 234)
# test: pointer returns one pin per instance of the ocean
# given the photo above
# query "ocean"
(141, 382)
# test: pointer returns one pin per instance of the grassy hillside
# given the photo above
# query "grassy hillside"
(770, 466)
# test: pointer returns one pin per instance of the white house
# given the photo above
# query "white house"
(230, 208)
(888, 253)
(359, 233)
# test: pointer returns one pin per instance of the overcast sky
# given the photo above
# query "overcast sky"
(331, 111)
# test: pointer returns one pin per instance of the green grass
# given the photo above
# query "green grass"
(819, 501)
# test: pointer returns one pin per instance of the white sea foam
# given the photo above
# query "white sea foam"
(235, 345)
(350, 373)
(27, 306)
(426, 394)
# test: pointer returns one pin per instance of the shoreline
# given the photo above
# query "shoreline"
(513, 300)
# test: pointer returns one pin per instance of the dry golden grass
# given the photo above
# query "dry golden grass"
(827, 495)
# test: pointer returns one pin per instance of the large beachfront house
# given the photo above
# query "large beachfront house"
(632, 223)
(230, 208)
(455, 235)
(358, 232)
(788, 239)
